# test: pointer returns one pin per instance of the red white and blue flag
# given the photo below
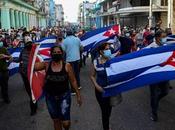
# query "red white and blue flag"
(95, 37)
(141, 68)
(40, 52)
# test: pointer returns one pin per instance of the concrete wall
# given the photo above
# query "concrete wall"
(173, 18)
(163, 17)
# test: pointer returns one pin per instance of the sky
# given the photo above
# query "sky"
(70, 9)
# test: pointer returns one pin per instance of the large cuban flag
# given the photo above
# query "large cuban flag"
(95, 37)
(44, 52)
(40, 52)
(140, 68)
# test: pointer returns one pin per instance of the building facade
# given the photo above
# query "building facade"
(52, 13)
(18, 13)
(59, 15)
(85, 17)
(173, 14)
(133, 13)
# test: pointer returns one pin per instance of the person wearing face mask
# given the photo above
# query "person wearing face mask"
(4, 76)
(56, 88)
(24, 60)
(158, 90)
(98, 78)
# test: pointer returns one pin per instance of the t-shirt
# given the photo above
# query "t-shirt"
(71, 46)
(3, 63)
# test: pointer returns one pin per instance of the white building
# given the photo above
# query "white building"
(59, 15)
(85, 15)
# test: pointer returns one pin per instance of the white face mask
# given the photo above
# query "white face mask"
(27, 39)
(127, 35)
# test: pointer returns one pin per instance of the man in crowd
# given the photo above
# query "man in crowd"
(71, 46)
(158, 90)
(4, 56)
(24, 60)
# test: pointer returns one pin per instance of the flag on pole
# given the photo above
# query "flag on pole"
(44, 52)
(140, 68)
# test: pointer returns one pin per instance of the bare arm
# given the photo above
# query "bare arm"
(73, 82)
(40, 66)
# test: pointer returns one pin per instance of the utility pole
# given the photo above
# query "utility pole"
(170, 14)
(150, 13)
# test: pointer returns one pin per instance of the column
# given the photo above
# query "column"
(27, 22)
(5, 18)
(12, 18)
(170, 14)
(23, 19)
(17, 18)
(20, 19)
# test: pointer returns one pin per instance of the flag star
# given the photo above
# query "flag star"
(111, 31)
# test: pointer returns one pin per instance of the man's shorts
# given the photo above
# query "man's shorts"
(59, 106)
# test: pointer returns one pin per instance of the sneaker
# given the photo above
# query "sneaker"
(154, 117)
(79, 88)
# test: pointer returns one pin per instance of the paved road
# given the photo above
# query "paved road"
(131, 114)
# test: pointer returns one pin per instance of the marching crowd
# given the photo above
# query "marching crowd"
(63, 71)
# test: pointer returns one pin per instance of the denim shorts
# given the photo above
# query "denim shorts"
(59, 106)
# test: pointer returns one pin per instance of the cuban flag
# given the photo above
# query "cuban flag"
(40, 52)
(140, 68)
(95, 37)
(14, 67)
(45, 45)
(43, 53)
(170, 39)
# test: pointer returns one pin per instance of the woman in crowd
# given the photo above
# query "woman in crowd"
(98, 78)
(58, 97)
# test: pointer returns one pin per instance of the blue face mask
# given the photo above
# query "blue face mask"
(1, 44)
(163, 40)
(107, 53)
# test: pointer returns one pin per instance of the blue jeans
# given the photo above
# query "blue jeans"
(59, 106)
(76, 68)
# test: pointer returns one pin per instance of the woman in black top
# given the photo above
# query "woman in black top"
(58, 98)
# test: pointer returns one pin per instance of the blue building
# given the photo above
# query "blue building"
(98, 18)
(52, 15)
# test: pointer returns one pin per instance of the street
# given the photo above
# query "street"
(132, 114)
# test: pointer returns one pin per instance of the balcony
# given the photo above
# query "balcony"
(142, 9)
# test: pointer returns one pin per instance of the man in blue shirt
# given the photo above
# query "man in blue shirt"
(71, 45)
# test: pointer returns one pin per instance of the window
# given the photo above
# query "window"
(164, 2)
